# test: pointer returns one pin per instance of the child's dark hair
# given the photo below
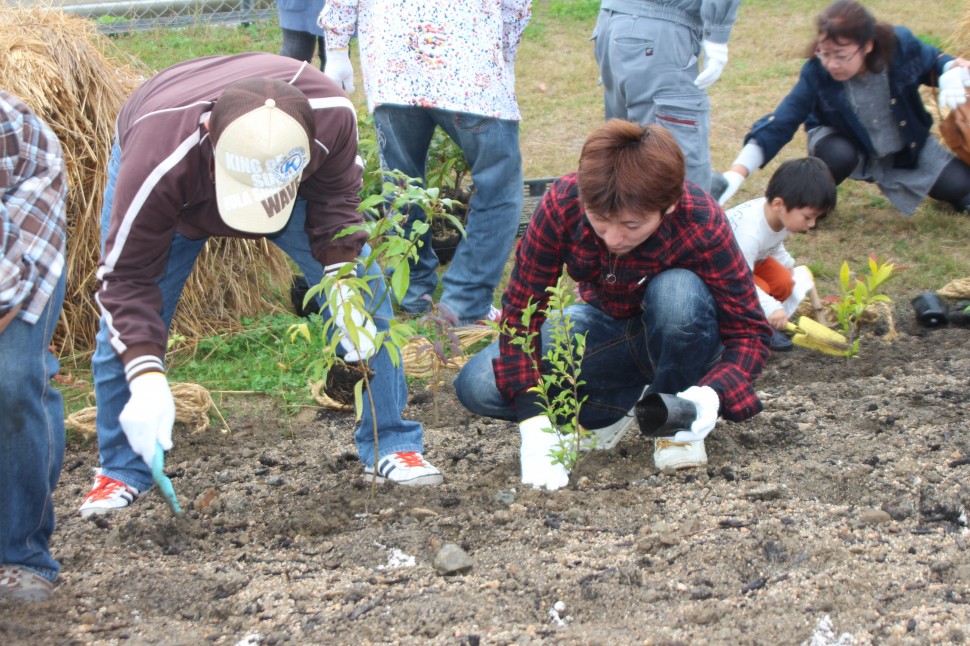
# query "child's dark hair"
(803, 183)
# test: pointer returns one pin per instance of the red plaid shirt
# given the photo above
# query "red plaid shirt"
(695, 236)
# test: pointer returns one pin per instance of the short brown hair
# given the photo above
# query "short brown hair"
(625, 166)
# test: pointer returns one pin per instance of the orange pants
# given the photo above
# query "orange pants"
(773, 278)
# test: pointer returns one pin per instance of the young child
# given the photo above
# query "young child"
(800, 192)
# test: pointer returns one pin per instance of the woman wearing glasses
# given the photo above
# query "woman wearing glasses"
(858, 97)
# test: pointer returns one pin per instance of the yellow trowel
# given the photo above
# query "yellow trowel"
(815, 336)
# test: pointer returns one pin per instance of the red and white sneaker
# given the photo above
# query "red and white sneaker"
(406, 468)
(107, 495)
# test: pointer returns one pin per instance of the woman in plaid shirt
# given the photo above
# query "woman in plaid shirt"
(668, 303)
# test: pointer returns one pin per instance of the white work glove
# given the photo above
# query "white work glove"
(345, 298)
(148, 416)
(715, 58)
(537, 443)
(734, 181)
(340, 69)
(953, 87)
(707, 403)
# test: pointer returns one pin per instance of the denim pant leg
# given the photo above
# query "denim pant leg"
(615, 368)
(491, 148)
(683, 337)
(404, 135)
(118, 460)
(31, 440)
(388, 386)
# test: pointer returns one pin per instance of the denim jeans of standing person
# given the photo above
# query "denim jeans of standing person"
(31, 440)
(301, 45)
(670, 347)
(648, 67)
(120, 462)
(491, 149)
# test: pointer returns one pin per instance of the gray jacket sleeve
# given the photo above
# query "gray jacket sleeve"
(718, 17)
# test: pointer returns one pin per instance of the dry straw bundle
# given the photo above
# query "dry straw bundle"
(72, 77)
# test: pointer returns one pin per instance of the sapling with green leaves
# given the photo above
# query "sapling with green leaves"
(859, 291)
(350, 325)
(560, 368)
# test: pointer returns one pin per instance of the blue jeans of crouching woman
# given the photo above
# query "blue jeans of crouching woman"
(120, 462)
(31, 440)
(491, 149)
(670, 347)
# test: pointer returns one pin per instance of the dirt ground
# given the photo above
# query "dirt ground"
(837, 516)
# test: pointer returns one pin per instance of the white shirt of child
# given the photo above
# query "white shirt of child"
(759, 241)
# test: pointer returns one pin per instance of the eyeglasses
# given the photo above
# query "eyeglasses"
(836, 60)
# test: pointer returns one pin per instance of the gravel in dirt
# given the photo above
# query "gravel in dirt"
(837, 516)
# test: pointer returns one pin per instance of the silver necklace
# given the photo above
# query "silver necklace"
(611, 266)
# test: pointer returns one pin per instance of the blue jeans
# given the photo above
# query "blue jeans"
(31, 440)
(670, 346)
(118, 461)
(491, 149)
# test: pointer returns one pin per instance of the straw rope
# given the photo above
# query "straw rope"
(959, 288)
(420, 361)
(193, 404)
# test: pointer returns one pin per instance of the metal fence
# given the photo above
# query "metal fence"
(118, 16)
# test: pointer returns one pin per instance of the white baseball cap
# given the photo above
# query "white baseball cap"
(261, 129)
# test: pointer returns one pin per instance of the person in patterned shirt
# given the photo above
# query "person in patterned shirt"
(32, 278)
(428, 64)
(668, 303)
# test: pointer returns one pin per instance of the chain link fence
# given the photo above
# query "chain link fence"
(119, 16)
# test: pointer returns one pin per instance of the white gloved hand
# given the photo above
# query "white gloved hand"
(715, 58)
(707, 403)
(734, 181)
(345, 298)
(953, 84)
(536, 464)
(148, 416)
(340, 69)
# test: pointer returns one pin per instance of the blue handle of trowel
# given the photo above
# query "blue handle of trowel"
(162, 481)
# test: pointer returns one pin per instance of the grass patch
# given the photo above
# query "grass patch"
(257, 359)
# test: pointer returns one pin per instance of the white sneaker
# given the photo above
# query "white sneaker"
(107, 495)
(406, 468)
(603, 439)
(670, 455)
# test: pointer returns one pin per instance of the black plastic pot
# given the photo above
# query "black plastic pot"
(660, 415)
(930, 310)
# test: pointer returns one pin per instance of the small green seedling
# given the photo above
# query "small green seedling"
(392, 250)
(559, 368)
(858, 293)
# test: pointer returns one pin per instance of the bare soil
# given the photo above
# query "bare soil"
(837, 516)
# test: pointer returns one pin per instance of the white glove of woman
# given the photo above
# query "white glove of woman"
(538, 469)
(953, 84)
(715, 58)
(707, 403)
(734, 181)
(149, 415)
(340, 69)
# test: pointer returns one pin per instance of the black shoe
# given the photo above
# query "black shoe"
(780, 341)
